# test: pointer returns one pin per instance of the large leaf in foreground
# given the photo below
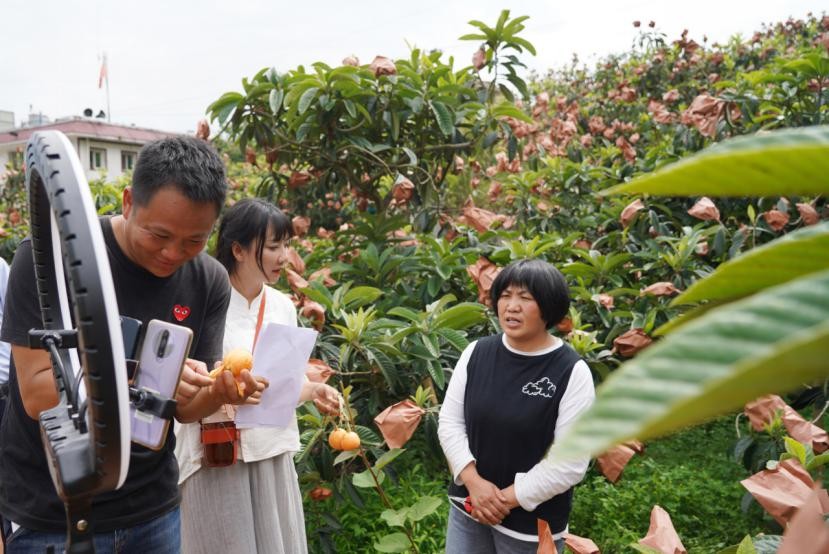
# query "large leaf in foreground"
(787, 162)
(773, 341)
(799, 253)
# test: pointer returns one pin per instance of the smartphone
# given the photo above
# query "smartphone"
(164, 350)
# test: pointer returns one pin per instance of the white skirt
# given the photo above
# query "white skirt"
(245, 508)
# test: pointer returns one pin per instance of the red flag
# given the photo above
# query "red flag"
(103, 73)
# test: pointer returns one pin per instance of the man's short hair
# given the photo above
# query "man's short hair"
(190, 165)
(543, 281)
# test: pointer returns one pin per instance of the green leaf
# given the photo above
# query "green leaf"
(332, 521)
(406, 313)
(396, 542)
(395, 518)
(444, 117)
(346, 455)
(360, 296)
(387, 458)
(510, 110)
(275, 99)
(385, 364)
(461, 316)
(303, 131)
(431, 343)
(796, 449)
(819, 460)
(515, 25)
(309, 439)
(412, 156)
(499, 26)
(318, 293)
(519, 84)
(512, 147)
(364, 480)
(224, 105)
(473, 36)
(488, 32)
(437, 374)
(453, 337)
(746, 546)
(490, 139)
(778, 163)
(425, 506)
(716, 363)
(306, 99)
(350, 108)
(506, 92)
(367, 436)
(419, 351)
(223, 114)
(796, 254)
(525, 43)
(353, 494)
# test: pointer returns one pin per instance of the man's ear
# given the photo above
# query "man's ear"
(126, 202)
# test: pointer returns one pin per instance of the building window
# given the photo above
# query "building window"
(127, 160)
(97, 158)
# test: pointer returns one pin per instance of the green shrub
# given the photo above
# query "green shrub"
(690, 475)
(355, 528)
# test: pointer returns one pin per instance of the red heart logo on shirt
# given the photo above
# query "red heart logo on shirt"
(180, 312)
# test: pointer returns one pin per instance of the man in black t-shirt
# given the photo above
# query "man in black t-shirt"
(160, 271)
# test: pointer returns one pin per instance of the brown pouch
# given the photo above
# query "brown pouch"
(220, 440)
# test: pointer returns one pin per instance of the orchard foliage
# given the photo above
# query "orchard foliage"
(393, 162)
(378, 135)
(540, 176)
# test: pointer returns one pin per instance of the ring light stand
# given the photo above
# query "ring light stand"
(87, 435)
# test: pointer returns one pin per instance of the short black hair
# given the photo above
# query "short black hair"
(543, 281)
(248, 222)
(190, 165)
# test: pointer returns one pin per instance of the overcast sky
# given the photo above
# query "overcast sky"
(169, 59)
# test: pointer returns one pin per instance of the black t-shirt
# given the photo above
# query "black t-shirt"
(510, 408)
(196, 296)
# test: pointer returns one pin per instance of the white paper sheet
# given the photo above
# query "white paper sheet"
(281, 354)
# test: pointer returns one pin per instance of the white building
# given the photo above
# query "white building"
(103, 148)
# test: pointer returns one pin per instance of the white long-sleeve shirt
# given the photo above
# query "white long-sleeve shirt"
(549, 477)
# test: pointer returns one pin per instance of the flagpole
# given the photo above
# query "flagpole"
(109, 114)
(103, 75)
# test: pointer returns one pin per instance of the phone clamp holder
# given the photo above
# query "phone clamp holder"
(150, 402)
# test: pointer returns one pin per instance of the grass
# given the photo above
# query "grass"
(690, 475)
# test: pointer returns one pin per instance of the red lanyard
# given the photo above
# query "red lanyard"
(259, 317)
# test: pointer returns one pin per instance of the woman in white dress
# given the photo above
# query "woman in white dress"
(253, 505)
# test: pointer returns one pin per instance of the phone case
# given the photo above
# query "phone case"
(163, 351)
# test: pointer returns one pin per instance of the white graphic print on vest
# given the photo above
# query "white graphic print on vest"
(543, 387)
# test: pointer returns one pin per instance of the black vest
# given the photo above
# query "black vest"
(511, 408)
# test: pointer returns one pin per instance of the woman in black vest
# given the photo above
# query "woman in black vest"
(511, 395)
